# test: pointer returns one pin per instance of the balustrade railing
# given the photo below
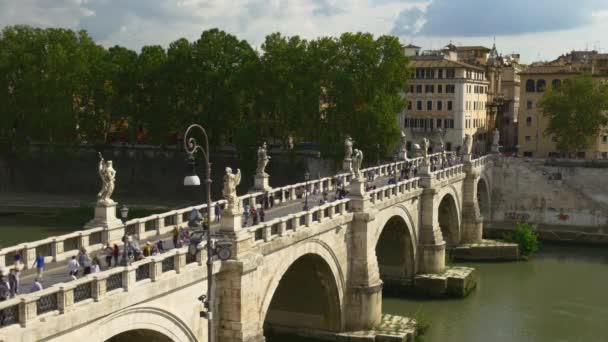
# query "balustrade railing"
(58, 297)
(392, 190)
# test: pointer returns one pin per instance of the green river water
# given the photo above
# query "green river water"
(560, 295)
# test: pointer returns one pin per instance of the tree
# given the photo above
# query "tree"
(576, 112)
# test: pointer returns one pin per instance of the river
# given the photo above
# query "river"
(560, 295)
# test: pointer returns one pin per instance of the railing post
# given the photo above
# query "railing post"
(282, 226)
(56, 249)
(2, 260)
(308, 219)
(27, 310)
(65, 297)
(180, 260)
(201, 256)
(331, 211)
(83, 239)
(141, 229)
(156, 268)
(295, 223)
(266, 233)
(178, 218)
(128, 278)
(29, 257)
(160, 224)
(99, 286)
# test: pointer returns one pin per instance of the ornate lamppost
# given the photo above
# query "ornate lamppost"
(223, 247)
(124, 213)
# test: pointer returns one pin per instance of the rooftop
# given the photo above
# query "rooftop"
(412, 46)
(436, 62)
(479, 47)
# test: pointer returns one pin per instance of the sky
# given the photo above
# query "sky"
(537, 29)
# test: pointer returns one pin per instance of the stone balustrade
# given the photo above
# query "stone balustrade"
(63, 297)
(266, 231)
(448, 172)
(481, 161)
(392, 190)
(63, 247)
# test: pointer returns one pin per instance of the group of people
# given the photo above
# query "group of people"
(83, 260)
(256, 214)
(9, 284)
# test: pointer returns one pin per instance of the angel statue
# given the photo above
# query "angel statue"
(357, 160)
(495, 137)
(348, 147)
(467, 144)
(108, 176)
(231, 180)
(263, 159)
(425, 148)
(403, 142)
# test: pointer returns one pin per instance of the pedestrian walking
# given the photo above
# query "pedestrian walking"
(246, 213)
(73, 266)
(109, 253)
(147, 250)
(84, 260)
(5, 288)
(160, 247)
(262, 214)
(115, 254)
(217, 211)
(175, 237)
(95, 268)
(39, 263)
(13, 280)
(254, 216)
(271, 200)
(36, 285)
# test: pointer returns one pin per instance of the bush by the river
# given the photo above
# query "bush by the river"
(525, 237)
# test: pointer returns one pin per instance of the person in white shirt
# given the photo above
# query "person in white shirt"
(95, 267)
(73, 266)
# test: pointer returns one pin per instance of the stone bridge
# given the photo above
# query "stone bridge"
(318, 270)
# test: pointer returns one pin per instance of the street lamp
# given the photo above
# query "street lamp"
(191, 146)
(124, 213)
(306, 177)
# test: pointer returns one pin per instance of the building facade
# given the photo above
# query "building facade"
(446, 99)
(532, 140)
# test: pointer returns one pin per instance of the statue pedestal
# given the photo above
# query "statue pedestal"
(105, 216)
(347, 165)
(402, 155)
(260, 182)
(425, 167)
(495, 149)
(466, 158)
(231, 222)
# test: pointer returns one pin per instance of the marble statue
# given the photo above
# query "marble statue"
(348, 147)
(403, 143)
(357, 160)
(425, 148)
(467, 143)
(263, 159)
(441, 145)
(496, 137)
(108, 177)
(231, 180)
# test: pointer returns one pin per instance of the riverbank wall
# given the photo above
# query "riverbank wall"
(568, 201)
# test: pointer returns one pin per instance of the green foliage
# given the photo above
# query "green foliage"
(576, 111)
(59, 86)
(525, 237)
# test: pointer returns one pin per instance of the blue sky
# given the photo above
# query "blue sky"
(538, 29)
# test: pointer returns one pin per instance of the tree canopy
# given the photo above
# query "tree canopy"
(59, 86)
(577, 111)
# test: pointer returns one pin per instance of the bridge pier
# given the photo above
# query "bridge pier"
(472, 220)
(431, 246)
(364, 293)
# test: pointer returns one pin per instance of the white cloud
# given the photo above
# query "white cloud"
(134, 23)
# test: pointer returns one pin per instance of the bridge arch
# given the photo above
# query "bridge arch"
(448, 215)
(139, 335)
(395, 246)
(306, 291)
(147, 320)
(483, 197)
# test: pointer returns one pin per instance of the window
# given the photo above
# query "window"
(541, 85)
(529, 121)
(411, 89)
(440, 73)
(528, 138)
(419, 88)
(419, 73)
(557, 84)
(450, 88)
(449, 123)
(438, 123)
(528, 154)
(529, 104)
(409, 105)
(440, 88)
(429, 88)
(580, 155)
(429, 105)
(449, 105)
(419, 105)
(406, 123)
(439, 106)
(605, 139)
(530, 86)
(429, 73)
(450, 73)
